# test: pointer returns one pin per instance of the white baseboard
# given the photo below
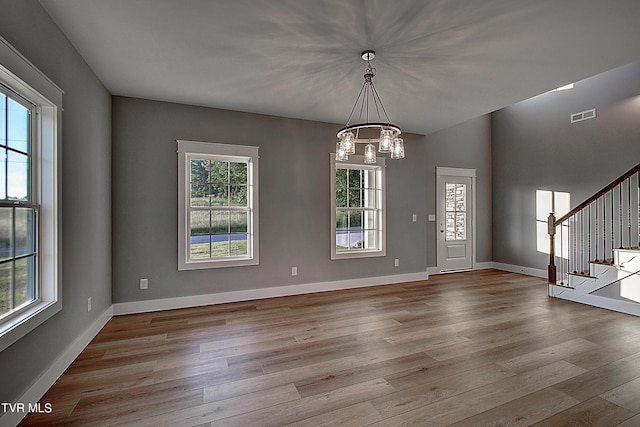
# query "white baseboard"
(483, 265)
(536, 272)
(46, 380)
(476, 266)
(253, 294)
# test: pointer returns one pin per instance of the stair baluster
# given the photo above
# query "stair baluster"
(581, 242)
(603, 228)
(629, 244)
(589, 233)
(613, 227)
(572, 251)
(562, 255)
(595, 240)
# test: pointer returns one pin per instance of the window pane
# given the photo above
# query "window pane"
(369, 200)
(370, 239)
(24, 280)
(199, 170)
(219, 195)
(200, 246)
(238, 195)
(355, 198)
(239, 222)
(18, 176)
(239, 244)
(450, 197)
(355, 178)
(6, 234)
(200, 223)
(370, 220)
(450, 227)
(6, 284)
(220, 246)
(461, 197)
(199, 194)
(238, 173)
(369, 179)
(219, 172)
(356, 240)
(18, 126)
(25, 231)
(341, 221)
(461, 226)
(341, 198)
(342, 241)
(456, 226)
(220, 222)
(341, 178)
(355, 220)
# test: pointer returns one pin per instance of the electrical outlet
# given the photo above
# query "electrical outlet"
(88, 304)
(396, 262)
(415, 217)
(294, 271)
(144, 283)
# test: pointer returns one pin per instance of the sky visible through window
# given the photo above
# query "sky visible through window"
(14, 158)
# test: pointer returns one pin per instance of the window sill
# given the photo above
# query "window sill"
(359, 254)
(14, 329)
(233, 262)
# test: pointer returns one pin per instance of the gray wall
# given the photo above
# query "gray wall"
(467, 145)
(536, 148)
(294, 202)
(86, 194)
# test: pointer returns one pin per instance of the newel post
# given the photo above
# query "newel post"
(551, 229)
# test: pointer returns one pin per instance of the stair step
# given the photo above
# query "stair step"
(584, 274)
(603, 262)
(630, 248)
(564, 285)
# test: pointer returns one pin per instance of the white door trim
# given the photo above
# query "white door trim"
(448, 171)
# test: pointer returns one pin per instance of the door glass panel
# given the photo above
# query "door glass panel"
(455, 211)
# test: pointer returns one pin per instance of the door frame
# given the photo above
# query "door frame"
(461, 172)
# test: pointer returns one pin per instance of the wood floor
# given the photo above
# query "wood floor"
(468, 349)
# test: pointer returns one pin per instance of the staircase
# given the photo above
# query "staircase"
(594, 249)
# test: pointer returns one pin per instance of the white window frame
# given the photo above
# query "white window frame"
(357, 162)
(25, 80)
(188, 150)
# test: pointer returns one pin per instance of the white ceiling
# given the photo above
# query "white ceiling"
(439, 62)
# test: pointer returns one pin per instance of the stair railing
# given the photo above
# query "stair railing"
(589, 233)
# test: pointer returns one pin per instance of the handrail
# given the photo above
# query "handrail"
(596, 196)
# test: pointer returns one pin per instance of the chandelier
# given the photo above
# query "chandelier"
(365, 131)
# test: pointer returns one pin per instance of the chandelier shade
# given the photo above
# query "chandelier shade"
(373, 125)
(370, 153)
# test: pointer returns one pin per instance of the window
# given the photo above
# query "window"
(218, 203)
(357, 209)
(559, 203)
(18, 210)
(30, 107)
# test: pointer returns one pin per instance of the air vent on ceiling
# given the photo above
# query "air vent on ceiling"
(583, 115)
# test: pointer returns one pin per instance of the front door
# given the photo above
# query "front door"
(455, 214)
